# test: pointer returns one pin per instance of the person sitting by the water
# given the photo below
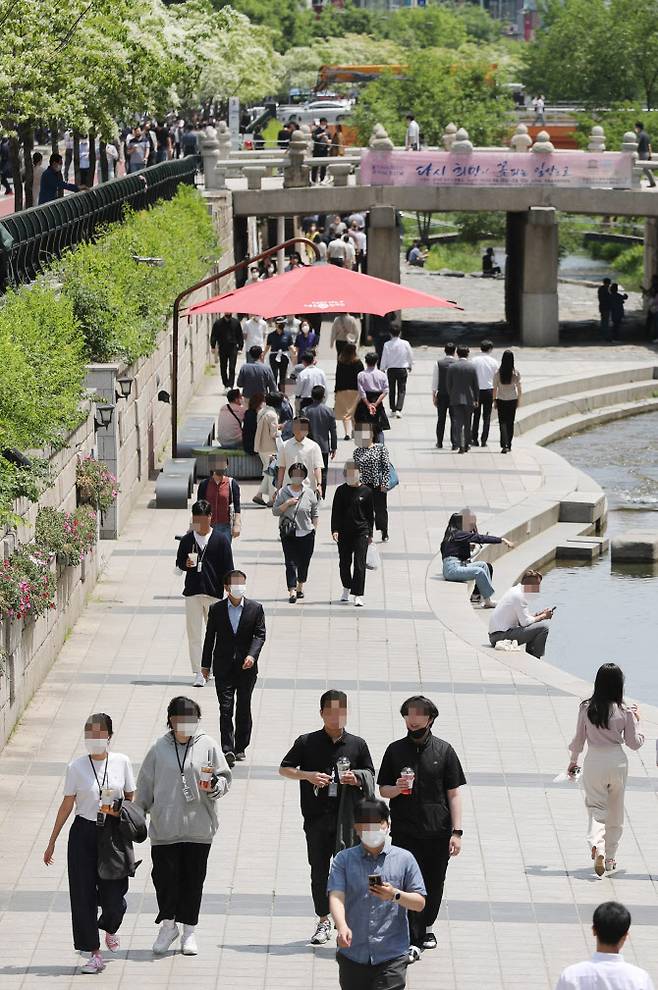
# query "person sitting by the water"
(489, 268)
(417, 256)
(456, 552)
(512, 618)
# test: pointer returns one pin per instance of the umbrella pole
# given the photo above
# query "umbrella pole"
(176, 314)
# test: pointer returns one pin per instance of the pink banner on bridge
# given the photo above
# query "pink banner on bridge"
(576, 169)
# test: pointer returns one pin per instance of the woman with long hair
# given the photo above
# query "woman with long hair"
(96, 785)
(506, 397)
(460, 533)
(348, 367)
(606, 723)
(250, 421)
(267, 431)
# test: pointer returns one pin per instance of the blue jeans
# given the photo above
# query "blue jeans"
(225, 529)
(455, 570)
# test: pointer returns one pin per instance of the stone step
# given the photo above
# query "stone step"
(582, 403)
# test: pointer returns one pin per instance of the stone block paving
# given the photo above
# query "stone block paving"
(518, 900)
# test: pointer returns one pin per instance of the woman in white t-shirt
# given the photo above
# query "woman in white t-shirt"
(94, 785)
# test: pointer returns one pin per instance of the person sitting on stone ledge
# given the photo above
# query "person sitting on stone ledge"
(461, 532)
(512, 618)
(489, 268)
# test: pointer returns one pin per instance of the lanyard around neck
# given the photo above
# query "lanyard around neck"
(181, 766)
(100, 785)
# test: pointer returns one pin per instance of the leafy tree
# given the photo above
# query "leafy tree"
(429, 27)
(439, 89)
(300, 65)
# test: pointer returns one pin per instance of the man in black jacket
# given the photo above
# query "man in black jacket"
(322, 429)
(234, 638)
(441, 398)
(352, 520)
(315, 761)
(426, 812)
(226, 336)
(204, 556)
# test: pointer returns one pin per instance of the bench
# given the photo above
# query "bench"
(175, 483)
(241, 465)
(196, 431)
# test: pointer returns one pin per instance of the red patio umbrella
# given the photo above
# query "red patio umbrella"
(320, 288)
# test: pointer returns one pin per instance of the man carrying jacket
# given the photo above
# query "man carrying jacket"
(235, 635)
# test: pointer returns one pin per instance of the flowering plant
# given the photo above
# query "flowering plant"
(27, 584)
(97, 485)
(70, 535)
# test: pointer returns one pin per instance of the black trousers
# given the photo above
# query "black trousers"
(389, 975)
(88, 892)
(432, 853)
(324, 474)
(297, 551)
(461, 418)
(178, 873)
(279, 370)
(486, 402)
(352, 552)
(442, 407)
(227, 360)
(320, 846)
(506, 416)
(381, 509)
(234, 691)
(318, 172)
(397, 387)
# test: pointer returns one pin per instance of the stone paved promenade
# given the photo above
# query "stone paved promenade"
(518, 900)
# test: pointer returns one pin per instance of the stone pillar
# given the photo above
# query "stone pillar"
(538, 300)
(650, 249)
(384, 243)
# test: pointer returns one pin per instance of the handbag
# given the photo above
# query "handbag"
(372, 558)
(393, 480)
(287, 526)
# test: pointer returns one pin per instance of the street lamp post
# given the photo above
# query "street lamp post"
(177, 306)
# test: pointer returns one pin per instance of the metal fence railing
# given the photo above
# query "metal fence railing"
(29, 240)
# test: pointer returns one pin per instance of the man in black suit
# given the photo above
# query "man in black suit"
(235, 635)
(322, 429)
(204, 557)
(463, 395)
(440, 395)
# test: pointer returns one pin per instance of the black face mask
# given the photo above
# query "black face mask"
(418, 734)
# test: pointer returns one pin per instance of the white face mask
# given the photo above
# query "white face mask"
(373, 837)
(188, 728)
(238, 590)
(532, 594)
(95, 746)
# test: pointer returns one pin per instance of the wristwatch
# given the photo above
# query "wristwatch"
(398, 895)
(458, 832)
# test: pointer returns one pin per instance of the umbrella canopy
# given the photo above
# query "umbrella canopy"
(320, 288)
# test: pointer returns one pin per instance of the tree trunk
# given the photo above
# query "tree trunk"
(76, 157)
(54, 136)
(92, 157)
(102, 156)
(15, 159)
(27, 136)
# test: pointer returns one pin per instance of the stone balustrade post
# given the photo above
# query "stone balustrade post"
(462, 145)
(448, 137)
(295, 172)
(596, 139)
(543, 145)
(521, 140)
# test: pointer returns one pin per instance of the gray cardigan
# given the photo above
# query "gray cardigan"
(307, 509)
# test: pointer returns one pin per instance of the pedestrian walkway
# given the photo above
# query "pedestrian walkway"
(519, 899)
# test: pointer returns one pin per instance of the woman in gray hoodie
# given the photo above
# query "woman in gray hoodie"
(183, 775)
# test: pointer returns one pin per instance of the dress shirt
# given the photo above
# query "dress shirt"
(322, 426)
(412, 138)
(234, 613)
(307, 452)
(350, 254)
(337, 248)
(256, 377)
(511, 611)
(604, 971)
(486, 367)
(344, 327)
(307, 379)
(371, 380)
(622, 728)
(397, 353)
(359, 239)
(254, 331)
(380, 929)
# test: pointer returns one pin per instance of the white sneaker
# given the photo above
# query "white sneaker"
(345, 597)
(166, 936)
(398, 415)
(95, 964)
(188, 942)
(358, 601)
(199, 680)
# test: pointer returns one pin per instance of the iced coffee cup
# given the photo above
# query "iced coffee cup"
(194, 557)
(408, 776)
(206, 775)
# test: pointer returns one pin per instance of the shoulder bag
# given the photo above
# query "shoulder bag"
(287, 526)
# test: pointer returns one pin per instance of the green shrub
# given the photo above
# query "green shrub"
(121, 305)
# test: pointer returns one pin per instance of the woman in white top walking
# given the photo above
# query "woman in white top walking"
(95, 785)
(506, 397)
(606, 724)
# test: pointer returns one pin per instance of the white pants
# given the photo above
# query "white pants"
(605, 769)
(196, 616)
(267, 484)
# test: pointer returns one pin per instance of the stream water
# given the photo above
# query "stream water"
(609, 612)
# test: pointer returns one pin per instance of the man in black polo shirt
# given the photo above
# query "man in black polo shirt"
(327, 803)
(426, 813)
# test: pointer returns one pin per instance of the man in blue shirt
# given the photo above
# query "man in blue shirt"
(371, 887)
(52, 184)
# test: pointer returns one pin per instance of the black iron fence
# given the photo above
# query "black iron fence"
(29, 240)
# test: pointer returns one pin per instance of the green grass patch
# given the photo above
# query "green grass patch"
(456, 255)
